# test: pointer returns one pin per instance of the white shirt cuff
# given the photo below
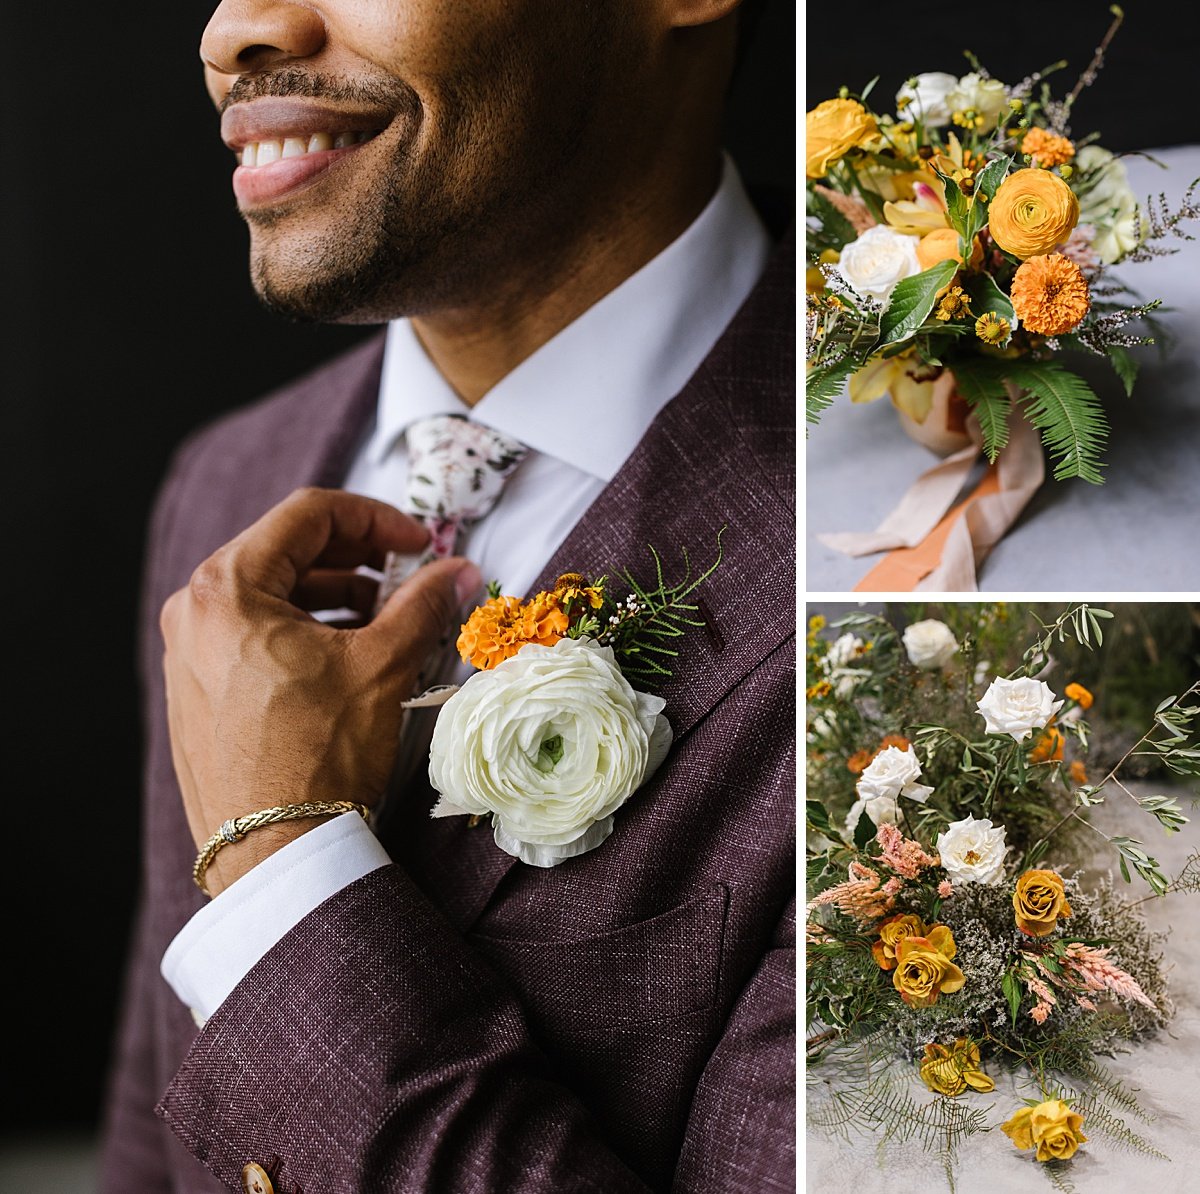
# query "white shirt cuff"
(219, 946)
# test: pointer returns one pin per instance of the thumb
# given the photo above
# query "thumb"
(417, 615)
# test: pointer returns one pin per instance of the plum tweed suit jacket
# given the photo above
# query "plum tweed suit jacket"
(460, 1022)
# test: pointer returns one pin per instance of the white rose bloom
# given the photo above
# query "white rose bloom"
(973, 851)
(982, 668)
(842, 650)
(551, 742)
(927, 99)
(1108, 204)
(930, 644)
(878, 260)
(1017, 707)
(892, 774)
(986, 96)
(883, 810)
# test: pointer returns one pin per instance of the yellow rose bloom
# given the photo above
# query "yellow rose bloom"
(924, 969)
(1050, 1127)
(831, 130)
(1039, 901)
(949, 1070)
(1032, 212)
(892, 931)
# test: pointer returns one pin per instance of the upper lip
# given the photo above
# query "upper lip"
(273, 119)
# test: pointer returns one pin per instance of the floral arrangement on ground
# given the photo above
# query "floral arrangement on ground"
(949, 930)
(959, 249)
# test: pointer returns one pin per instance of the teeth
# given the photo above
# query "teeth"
(263, 153)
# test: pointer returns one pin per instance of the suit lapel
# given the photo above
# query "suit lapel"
(716, 457)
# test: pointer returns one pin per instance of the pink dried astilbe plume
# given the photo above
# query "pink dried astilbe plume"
(1040, 1012)
(855, 210)
(860, 898)
(905, 856)
(1092, 966)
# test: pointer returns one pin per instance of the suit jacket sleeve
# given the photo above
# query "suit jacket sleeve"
(373, 1049)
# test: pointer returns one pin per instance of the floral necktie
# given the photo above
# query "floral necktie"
(456, 472)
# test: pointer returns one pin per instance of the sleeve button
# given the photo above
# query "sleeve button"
(255, 1180)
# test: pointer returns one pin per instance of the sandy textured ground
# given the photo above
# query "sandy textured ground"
(1165, 1070)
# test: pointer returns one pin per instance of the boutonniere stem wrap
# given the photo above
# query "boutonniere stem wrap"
(550, 737)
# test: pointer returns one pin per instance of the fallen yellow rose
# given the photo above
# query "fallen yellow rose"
(1032, 212)
(891, 931)
(924, 969)
(1039, 901)
(950, 1069)
(1050, 1127)
(831, 130)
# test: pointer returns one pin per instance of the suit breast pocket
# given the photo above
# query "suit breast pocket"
(661, 968)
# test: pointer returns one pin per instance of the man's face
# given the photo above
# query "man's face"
(397, 155)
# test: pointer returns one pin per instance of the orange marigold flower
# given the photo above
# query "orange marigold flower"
(500, 627)
(1050, 294)
(1048, 746)
(1077, 692)
(859, 761)
(1078, 772)
(1047, 149)
(897, 740)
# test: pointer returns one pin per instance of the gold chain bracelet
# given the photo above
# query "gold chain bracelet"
(236, 828)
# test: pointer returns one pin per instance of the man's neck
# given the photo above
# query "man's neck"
(475, 347)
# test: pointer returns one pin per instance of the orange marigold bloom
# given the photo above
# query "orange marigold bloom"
(1050, 294)
(897, 740)
(1048, 746)
(1047, 149)
(1077, 692)
(858, 762)
(500, 627)
(1078, 772)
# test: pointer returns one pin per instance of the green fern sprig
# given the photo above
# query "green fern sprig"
(642, 628)
(1062, 406)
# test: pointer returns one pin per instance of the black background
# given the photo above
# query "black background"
(128, 320)
(1143, 98)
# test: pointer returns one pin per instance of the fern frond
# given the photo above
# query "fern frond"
(823, 384)
(1062, 406)
(983, 388)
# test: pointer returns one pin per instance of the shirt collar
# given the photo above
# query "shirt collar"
(607, 374)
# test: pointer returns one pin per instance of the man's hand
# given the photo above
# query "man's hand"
(267, 705)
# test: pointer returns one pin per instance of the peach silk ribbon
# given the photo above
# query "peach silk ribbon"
(934, 546)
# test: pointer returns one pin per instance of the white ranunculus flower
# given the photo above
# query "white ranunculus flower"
(973, 851)
(878, 260)
(892, 774)
(930, 644)
(1017, 707)
(985, 96)
(927, 99)
(551, 742)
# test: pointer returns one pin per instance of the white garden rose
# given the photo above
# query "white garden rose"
(1107, 203)
(927, 99)
(892, 774)
(930, 644)
(878, 260)
(842, 650)
(1017, 707)
(551, 743)
(882, 810)
(974, 93)
(973, 851)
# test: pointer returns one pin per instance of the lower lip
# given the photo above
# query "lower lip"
(254, 186)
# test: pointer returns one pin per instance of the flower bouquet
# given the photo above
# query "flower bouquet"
(950, 933)
(957, 252)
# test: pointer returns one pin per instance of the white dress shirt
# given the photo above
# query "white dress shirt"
(626, 356)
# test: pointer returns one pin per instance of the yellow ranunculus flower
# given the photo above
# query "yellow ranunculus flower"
(891, 931)
(924, 969)
(949, 1070)
(1050, 1127)
(1032, 212)
(831, 130)
(1039, 901)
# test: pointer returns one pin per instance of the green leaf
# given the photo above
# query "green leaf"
(835, 230)
(817, 815)
(987, 296)
(1070, 417)
(864, 831)
(823, 384)
(911, 302)
(991, 176)
(983, 388)
(957, 205)
(1011, 986)
(1122, 360)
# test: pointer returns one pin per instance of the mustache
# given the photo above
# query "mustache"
(293, 81)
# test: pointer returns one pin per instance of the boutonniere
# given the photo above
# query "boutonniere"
(550, 737)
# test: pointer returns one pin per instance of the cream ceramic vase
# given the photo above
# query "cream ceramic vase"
(945, 427)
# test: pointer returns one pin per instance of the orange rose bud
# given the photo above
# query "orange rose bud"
(1038, 902)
